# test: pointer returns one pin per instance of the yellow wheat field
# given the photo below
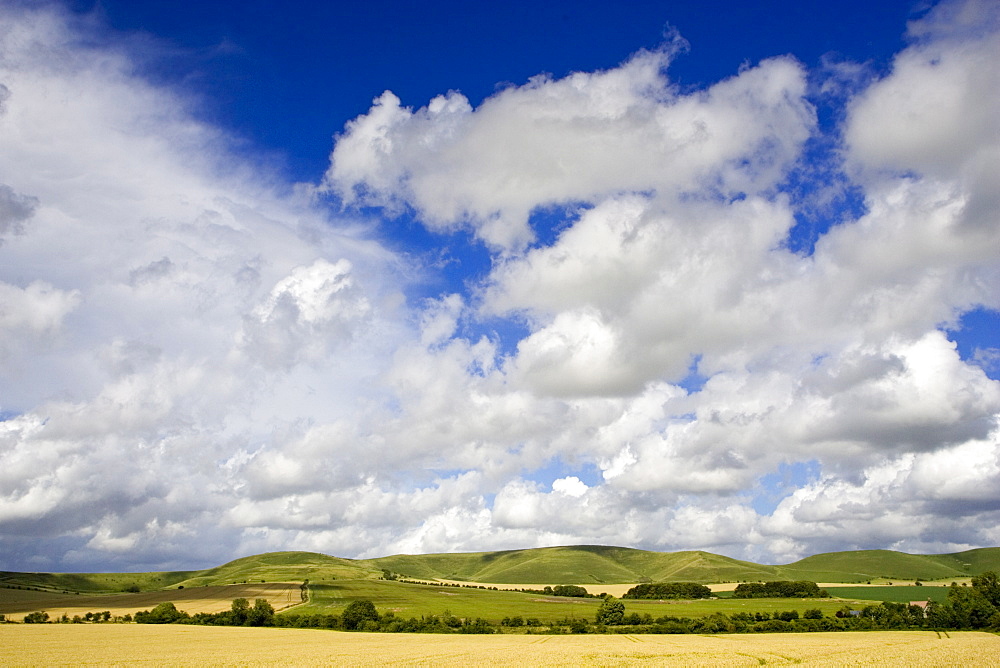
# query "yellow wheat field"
(148, 645)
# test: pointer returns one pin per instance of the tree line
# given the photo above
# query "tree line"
(780, 589)
(669, 590)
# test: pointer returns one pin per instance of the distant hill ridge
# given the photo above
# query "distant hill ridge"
(579, 564)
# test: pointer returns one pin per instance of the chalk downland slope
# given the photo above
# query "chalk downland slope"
(862, 565)
(582, 564)
(283, 567)
(594, 564)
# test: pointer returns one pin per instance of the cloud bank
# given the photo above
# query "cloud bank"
(198, 361)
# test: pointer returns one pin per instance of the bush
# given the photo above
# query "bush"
(672, 626)
(611, 612)
(477, 626)
(357, 613)
(40, 617)
(633, 619)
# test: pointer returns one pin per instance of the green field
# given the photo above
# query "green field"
(414, 600)
(938, 594)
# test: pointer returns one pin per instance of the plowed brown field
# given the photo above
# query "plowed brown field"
(146, 645)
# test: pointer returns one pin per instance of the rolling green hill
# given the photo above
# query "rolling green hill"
(583, 564)
(863, 565)
(283, 567)
(94, 583)
(593, 564)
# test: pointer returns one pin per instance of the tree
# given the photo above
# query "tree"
(262, 614)
(36, 618)
(164, 613)
(779, 589)
(988, 584)
(569, 590)
(967, 608)
(612, 611)
(357, 613)
(669, 590)
(239, 612)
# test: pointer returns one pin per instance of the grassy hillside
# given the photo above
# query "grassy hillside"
(269, 567)
(972, 562)
(282, 567)
(584, 564)
(864, 565)
(94, 583)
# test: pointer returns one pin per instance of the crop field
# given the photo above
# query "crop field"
(894, 594)
(131, 644)
(15, 603)
(413, 600)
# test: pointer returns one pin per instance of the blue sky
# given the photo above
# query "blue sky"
(256, 62)
(441, 277)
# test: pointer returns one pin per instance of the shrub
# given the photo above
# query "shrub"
(611, 612)
(357, 613)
